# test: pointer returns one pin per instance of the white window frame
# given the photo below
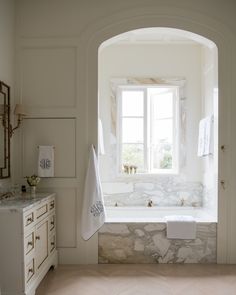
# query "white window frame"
(146, 135)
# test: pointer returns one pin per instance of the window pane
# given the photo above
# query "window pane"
(132, 130)
(161, 102)
(162, 144)
(161, 156)
(132, 103)
(162, 131)
(132, 155)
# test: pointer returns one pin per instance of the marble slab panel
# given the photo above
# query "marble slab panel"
(147, 243)
(163, 191)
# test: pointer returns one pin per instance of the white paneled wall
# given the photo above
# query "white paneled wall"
(59, 132)
(47, 88)
(49, 77)
(7, 44)
(66, 216)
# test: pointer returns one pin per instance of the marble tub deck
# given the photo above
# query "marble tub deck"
(147, 243)
(145, 279)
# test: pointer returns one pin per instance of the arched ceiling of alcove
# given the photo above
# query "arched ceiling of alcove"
(158, 35)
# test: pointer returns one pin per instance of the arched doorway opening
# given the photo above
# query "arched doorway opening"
(189, 20)
(158, 104)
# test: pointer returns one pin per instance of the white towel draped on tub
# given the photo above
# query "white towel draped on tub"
(181, 227)
(93, 213)
(46, 161)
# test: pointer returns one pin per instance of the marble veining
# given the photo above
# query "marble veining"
(163, 191)
(147, 243)
(21, 202)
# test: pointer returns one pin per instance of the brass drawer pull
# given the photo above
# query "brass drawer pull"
(37, 238)
(30, 270)
(30, 243)
(30, 219)
(52, 205)
(52, 243)
(52, 223)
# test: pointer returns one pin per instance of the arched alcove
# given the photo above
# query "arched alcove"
(145, 162)
(185, 19)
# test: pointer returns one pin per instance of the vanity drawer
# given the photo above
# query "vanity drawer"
(29, 243)
(29, 270)
(41, 211)
(28, 218)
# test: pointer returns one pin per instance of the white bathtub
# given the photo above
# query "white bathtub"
(155, 214)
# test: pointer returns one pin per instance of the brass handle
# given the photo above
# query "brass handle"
(222, 184)
(30, 219)
(52, 222)
(37, 238)
(222, 148)
(30, 270)
(30, 243)
(52, 243)
(52, 205)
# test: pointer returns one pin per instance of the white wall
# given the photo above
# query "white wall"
(210, 107)
(154, 61)
(84, 25)
(7, 41)
(7, 50)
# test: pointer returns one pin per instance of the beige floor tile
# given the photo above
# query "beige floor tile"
(165, 279)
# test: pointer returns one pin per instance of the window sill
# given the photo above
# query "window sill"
(138, 176)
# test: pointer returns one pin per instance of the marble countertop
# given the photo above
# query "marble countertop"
(23, 202)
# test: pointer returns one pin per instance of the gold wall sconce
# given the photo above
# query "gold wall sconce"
(19, 112)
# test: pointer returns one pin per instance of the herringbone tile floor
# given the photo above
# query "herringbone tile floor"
(140, 279)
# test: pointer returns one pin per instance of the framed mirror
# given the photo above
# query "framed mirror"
(4, 130)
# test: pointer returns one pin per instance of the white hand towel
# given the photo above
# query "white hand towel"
(205, 137)
(181, 227)
(93, 212)
(46, 161)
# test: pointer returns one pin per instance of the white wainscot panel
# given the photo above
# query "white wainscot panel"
(66, 217)
(49, 77)
(59, 132)
(66, 206)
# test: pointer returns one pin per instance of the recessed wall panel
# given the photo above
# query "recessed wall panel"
(48, 77)
(59, 132)
(66, 217)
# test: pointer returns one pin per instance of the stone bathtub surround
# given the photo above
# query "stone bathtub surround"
(147, 243)
(163, 191)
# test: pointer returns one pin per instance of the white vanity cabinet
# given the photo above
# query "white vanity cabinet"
(27, 243)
